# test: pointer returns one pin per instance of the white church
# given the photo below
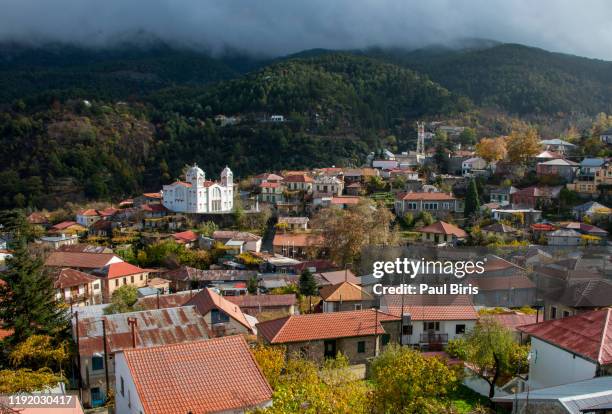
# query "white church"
(197, 195)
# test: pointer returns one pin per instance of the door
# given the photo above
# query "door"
(330, 348)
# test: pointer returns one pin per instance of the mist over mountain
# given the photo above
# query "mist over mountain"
(278, 27)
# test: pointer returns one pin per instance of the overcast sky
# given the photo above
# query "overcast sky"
(278, 27)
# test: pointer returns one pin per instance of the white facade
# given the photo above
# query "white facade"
(127, 400)
(445, 329)
(197, 195)
(550, 365)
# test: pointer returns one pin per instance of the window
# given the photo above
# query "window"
(131, 279)
(459, 328)
(141, 277)
(431, 326)
(358, 306)
(553, 312)
(97, 363)
(116, 282)
(125, 281)
(361, 347)
(218, 316)
(122, 390)
(566, 314)
(386, 338)
(407, 330)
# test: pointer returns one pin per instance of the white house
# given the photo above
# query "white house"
(570, 349)
(471, 164)
(197, 195)
(385, 164)
(87, 217)
(429, 321)
(217, 375)
(606, 136)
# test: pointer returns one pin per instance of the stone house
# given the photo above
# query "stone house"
(359, 335)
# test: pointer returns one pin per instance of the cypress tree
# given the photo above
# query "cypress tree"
(472, 201)
(27, 298)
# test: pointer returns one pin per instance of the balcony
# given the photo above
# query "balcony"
(434, 338)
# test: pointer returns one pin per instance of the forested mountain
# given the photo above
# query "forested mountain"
(77, 124)
(518, 79)
(338, 108)
(124, 72)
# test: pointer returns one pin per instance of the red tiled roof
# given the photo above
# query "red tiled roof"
(297, 240)
(442, 227)
(65, 224)
(79, 260)
(215, 375)
(298, 178)
(120, 269)
(235, 235)
(255, 301)
(316, 326)
(587, 334)
(432, 307)
(336, 277)
(88, 212)
(207, 300)
(108, 211)
(153, 207)
(344, 291)
(38, 218)
(267, 184)
(152, 195)
(186, 236)
(269, 176)
(71, 277)
(345, 200)
(426, 196)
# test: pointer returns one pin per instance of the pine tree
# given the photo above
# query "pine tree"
(27, 298)
(472, 201)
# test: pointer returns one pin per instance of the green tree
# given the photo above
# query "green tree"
(467, 137)
(472, 200)
(491, 349)
(308, 286)
(123, 300)
(27, 298)
(407, 382)
(207, 228)
(252, 285)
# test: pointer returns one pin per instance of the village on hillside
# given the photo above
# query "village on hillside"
(251, 294)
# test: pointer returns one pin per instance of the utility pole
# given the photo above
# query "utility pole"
(78, 350)
(105, 355)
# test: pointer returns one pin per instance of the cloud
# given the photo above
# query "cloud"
(276, 27)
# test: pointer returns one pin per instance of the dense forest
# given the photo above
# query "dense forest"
(80, 124)
(516, 78)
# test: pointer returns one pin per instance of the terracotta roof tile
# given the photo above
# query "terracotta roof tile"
(344, 291)
(297, 240)
(71, 277)
(216, 375)
(431, 307)
(80, 260)
(207, 300)
(120, 269)
(316, 326)
(336, 277)
(588, 334)
(512, 320)
(442, 227)
(298, 178)
(187, 236)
